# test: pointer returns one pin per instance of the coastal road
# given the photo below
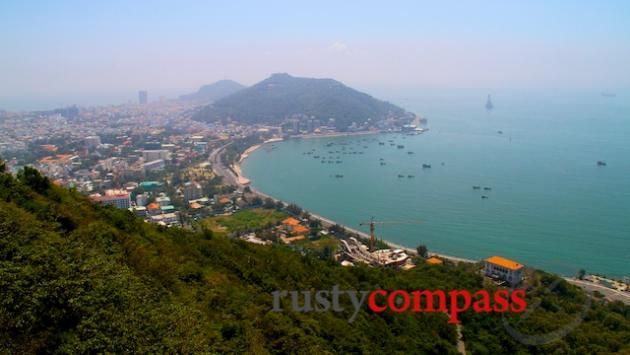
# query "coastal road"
(609, 293)
(230, 178)
(221, 170)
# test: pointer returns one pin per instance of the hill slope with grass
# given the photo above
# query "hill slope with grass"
(80, 278)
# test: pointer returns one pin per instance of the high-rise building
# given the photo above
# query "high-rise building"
(143, 97)
(192, 191)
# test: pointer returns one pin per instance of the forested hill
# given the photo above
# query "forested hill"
(281, 96)
(77, 278)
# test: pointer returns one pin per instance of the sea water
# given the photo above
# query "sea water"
(550, 205)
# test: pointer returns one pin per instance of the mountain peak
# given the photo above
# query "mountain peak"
(281, 96)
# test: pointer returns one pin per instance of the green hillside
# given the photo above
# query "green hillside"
(282, 96)
(77, 278)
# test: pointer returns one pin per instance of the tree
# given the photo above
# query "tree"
(294, 209)
(32, 178)
(268, 203)
(3, 166)
(422, 250)
(581, 274)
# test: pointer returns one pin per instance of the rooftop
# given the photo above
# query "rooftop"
(504, 262)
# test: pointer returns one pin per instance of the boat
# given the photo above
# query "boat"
(400, 146)
(484, 197)
(476, 187)
(601, 163)
(381, 143)
(409, 152)
(489, 105)
(487, 188)
(382, 163)
(410, 176)
(401, 175)
(500, 132)
(426, 166)
(609, 94)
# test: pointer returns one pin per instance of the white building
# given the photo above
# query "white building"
(150, 155)
(117, 198)
(500, 268)
(141, 199)
(154, 165)
(92, 141)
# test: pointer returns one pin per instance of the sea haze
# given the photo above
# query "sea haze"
(550, 206)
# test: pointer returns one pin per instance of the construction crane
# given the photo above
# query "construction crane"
(372, 223)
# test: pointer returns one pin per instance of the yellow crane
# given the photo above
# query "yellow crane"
(372, 223)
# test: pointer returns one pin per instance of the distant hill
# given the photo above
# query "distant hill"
(282, 95)
(212, 92)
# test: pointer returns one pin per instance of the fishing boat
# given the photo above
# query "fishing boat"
(426, 166)
(601, 163)
(476, 187)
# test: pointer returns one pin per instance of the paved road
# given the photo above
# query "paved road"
(610, 294)
(220, 169)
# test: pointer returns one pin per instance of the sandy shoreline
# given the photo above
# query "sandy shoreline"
(325, 221)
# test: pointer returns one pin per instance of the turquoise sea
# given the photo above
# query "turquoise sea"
(551, 206)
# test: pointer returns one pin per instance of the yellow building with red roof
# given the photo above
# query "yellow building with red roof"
(498, 267)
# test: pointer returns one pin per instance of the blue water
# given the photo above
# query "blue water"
(551, 206)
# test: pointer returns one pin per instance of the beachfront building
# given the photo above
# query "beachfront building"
(504, 269)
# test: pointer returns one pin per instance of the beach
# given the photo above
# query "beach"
(245, 181)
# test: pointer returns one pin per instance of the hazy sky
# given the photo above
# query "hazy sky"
(73, 50)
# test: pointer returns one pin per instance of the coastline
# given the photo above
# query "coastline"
(244, 181)
(590, 287)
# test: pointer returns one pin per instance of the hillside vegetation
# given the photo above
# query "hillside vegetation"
(282, 96)
(78, 278)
